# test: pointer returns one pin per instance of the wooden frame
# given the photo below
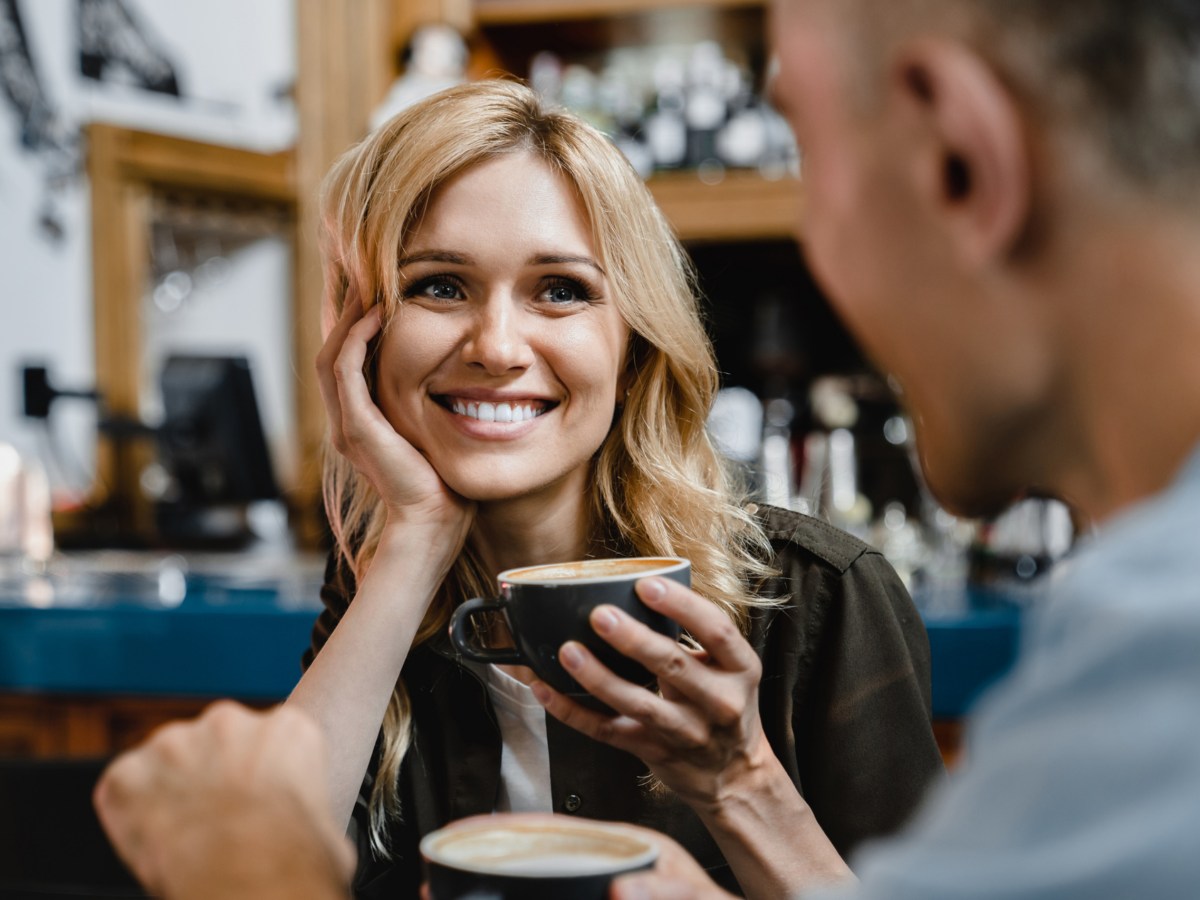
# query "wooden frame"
(126, 167)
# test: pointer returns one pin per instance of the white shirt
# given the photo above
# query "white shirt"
(525, 752)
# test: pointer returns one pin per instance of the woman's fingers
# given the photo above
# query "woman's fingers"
(596, 725)
(352, 311)
(683, 674)
(354, 397)
(618, 731)
(353, 415)
(681, 723)
(703, 620)
(332, 346)
(702, 691)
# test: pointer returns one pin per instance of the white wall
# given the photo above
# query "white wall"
(233, 59)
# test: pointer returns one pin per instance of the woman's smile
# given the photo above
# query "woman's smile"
(497, 410)
(494, 419)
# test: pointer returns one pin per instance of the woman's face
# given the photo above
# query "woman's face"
(506, 360)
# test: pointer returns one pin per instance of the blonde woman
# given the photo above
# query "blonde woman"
(516, 373)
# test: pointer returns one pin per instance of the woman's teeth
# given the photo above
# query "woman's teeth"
(496, 412)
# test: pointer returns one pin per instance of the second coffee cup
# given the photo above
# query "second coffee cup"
(548, 605)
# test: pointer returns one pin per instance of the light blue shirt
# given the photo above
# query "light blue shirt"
(1082, 777)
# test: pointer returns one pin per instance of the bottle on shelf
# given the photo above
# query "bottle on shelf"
(437, 60)
(735, 424)
(666, 126)
(673, 107)
(742, 140)
(705, 105)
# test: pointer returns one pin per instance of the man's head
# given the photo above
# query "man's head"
(967, 164)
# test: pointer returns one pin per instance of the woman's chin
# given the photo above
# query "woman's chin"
(499, 486)
(486, 488)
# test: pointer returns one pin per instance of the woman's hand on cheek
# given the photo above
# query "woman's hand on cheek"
(408, 485)
(702, 736)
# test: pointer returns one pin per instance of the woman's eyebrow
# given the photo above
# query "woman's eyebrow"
(555, 260)
(441, 256)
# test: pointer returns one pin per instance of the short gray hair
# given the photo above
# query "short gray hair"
(1125, 71)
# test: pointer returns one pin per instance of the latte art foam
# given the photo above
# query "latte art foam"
(591, 569)
(535, 852)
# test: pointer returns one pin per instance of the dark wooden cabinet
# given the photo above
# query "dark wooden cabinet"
(45, 726)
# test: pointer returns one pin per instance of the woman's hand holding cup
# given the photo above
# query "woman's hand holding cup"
(701, 735)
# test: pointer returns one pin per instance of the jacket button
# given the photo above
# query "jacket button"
(572, 803)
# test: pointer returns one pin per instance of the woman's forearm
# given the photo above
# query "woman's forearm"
(349, 684)
(769, 836)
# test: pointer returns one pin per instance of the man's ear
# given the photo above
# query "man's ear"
(976, 168)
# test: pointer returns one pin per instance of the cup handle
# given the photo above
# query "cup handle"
(460, 635)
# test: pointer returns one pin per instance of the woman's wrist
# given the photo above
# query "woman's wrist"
(745, 822)
(757, 779)
(419, 554)
(431, 544)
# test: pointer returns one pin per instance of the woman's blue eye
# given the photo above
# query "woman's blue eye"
(563, 291)
(435, 289)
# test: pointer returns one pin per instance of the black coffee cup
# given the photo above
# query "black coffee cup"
(531, 857)
(548, 605)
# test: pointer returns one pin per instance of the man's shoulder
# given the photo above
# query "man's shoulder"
(1144, 567)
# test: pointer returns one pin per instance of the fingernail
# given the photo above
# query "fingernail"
(541, 693)
(570, 656)
(604, 619)
(651, 589)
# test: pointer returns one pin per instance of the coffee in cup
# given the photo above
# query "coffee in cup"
(531, 857)
(547, 605)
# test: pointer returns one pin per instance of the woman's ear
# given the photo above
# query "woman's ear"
(973, 159)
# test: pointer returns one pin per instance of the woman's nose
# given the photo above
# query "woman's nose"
(497, 342)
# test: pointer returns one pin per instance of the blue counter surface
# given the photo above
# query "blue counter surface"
(237, 627)
(969, 653)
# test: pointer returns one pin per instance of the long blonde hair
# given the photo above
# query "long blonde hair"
(659, 487)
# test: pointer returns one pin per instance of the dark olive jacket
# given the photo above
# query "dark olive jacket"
(844, 702)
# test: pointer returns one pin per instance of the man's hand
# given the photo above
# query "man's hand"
(234, 804)
(675, 876)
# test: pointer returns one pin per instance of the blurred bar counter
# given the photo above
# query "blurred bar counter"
(103, 647)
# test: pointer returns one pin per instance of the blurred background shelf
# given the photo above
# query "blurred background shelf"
(742, 206)
(493, 12)
(508, 33)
